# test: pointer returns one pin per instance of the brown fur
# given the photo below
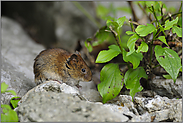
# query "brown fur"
(60, 65)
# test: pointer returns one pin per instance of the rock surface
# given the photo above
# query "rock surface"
(61, 107)
(16, 80)
(18, 47)
(167, 87)
(54, 86)
(54, 24)
(18, 53)
(63, 99)
(162, 108)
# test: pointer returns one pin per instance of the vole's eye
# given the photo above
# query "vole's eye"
(83, 70)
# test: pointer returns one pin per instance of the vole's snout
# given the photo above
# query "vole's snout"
(87, 77)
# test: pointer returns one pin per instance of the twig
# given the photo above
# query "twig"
(173, 15)
(116, 38)
(134, 23)
(157, 19)
(133, 12)
(180, 7)
(144, 12)
(132, 27)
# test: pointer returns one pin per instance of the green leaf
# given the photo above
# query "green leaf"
(124, 39)
(107, 55)
(167, 76)
(114, 47)
(14, 101)
(169, 60)
(120, 21)
(12, 92)
(102, 34)
(180, 70)
(150, 3)
(88, 45)
(4, 86)
(169, 24)
(134, 58)
(142, 48)
(114, 24)
(132, 80)
(179, 23)
(159, 17)
(162, 38)
(130, 32)
(131, 43)
(143, 30)
(177, 30)
(111, 82)
(8, 114)
(5, 108)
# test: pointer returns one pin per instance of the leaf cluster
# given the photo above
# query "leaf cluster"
(112, 80)
(8, 114)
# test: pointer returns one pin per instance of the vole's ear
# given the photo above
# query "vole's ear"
(78, 53)
(72, 59)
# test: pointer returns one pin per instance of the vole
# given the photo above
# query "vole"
(62, 66)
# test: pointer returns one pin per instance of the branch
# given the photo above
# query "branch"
(144, 12)
(135, 18)
(116, 38)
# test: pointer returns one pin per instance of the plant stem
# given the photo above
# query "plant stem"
(156, 36)
(157, 19)
(143, 9)
(173, 15)
(128, 64)
(135, 18)
(155, 15)
(116, 36)
(134, 23)
(78, 5)
(180, 7)
(151, 53)
(132, 27)
(156, 66)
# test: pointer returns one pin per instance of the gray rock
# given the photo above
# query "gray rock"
(16, 80)
(54, 24)
(146, 117)
(89, 92)
(52, 86)
(126, 100)
(166, 87)
(72, 25)
(161, 115)
(35, 17)
(175, 112)
(162, 108)
(18, 48)
(153, 104)
(18, 53)
(72, 101)
(91, 95)
(123, 110)
(61, 107)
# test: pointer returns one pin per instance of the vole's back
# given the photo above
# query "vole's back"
(58, 64)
